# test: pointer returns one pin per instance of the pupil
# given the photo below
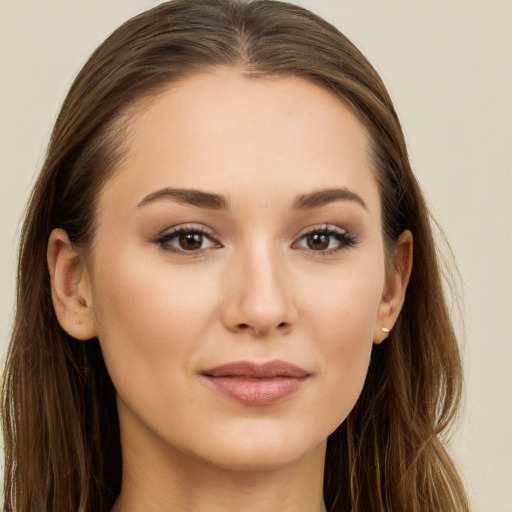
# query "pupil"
(318, 241)
(191, 241)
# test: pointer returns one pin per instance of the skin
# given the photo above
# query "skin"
(256, 290)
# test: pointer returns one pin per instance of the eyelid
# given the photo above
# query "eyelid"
(323, 227)
(169, 233)
(348, 239)
(345, 238)
(198, 228)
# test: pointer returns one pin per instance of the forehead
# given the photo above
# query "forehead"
(221, 130)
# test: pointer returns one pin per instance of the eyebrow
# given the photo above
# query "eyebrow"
(212, 201)
(188, 196)
(326, 196)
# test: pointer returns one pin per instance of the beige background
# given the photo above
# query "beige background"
(448, 66)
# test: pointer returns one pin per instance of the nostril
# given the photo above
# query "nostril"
(280, 326)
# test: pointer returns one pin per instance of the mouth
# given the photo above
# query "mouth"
(257, 384)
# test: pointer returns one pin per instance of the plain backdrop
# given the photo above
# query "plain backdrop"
(448, 67)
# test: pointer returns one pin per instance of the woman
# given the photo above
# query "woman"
(228, 289)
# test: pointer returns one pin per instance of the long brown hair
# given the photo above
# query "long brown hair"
(62, 449)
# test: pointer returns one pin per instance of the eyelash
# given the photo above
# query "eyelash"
(164, 240)
(344, 239)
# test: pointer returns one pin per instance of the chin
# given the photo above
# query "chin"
(261, 451)
(259, 461)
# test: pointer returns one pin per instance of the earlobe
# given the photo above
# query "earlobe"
(396, 286)
(71, 290)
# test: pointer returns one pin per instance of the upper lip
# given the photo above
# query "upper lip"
(252, 370)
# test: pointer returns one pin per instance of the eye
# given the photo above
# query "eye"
(186, 240)
(326, 240)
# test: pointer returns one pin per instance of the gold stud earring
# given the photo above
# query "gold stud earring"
(385, 330)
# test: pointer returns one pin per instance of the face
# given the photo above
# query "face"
(237, 272)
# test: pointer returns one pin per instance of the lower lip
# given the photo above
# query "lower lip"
(257, 391)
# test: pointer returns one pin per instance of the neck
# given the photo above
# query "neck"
(156, 480)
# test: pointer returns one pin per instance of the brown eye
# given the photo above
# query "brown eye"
(190, 241)
(186, 240)
(326, 241)
(318, 241)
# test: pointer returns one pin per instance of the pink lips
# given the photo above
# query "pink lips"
(257, 384)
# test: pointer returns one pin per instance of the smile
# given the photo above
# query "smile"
(256, 384)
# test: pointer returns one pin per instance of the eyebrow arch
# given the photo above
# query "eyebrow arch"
(326, 196)
(188, 196)
(212, 201)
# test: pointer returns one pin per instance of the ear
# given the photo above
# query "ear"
(396, 286)
(71, 290)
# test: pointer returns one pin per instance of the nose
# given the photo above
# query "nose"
(259, 298)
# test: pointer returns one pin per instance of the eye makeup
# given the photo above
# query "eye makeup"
(194, 240)
(187, 240)
(325, 240)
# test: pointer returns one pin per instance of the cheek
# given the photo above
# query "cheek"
(345, 317)
(150, 318)
(343, 303)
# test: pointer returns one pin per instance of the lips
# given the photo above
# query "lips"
(257, 384)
